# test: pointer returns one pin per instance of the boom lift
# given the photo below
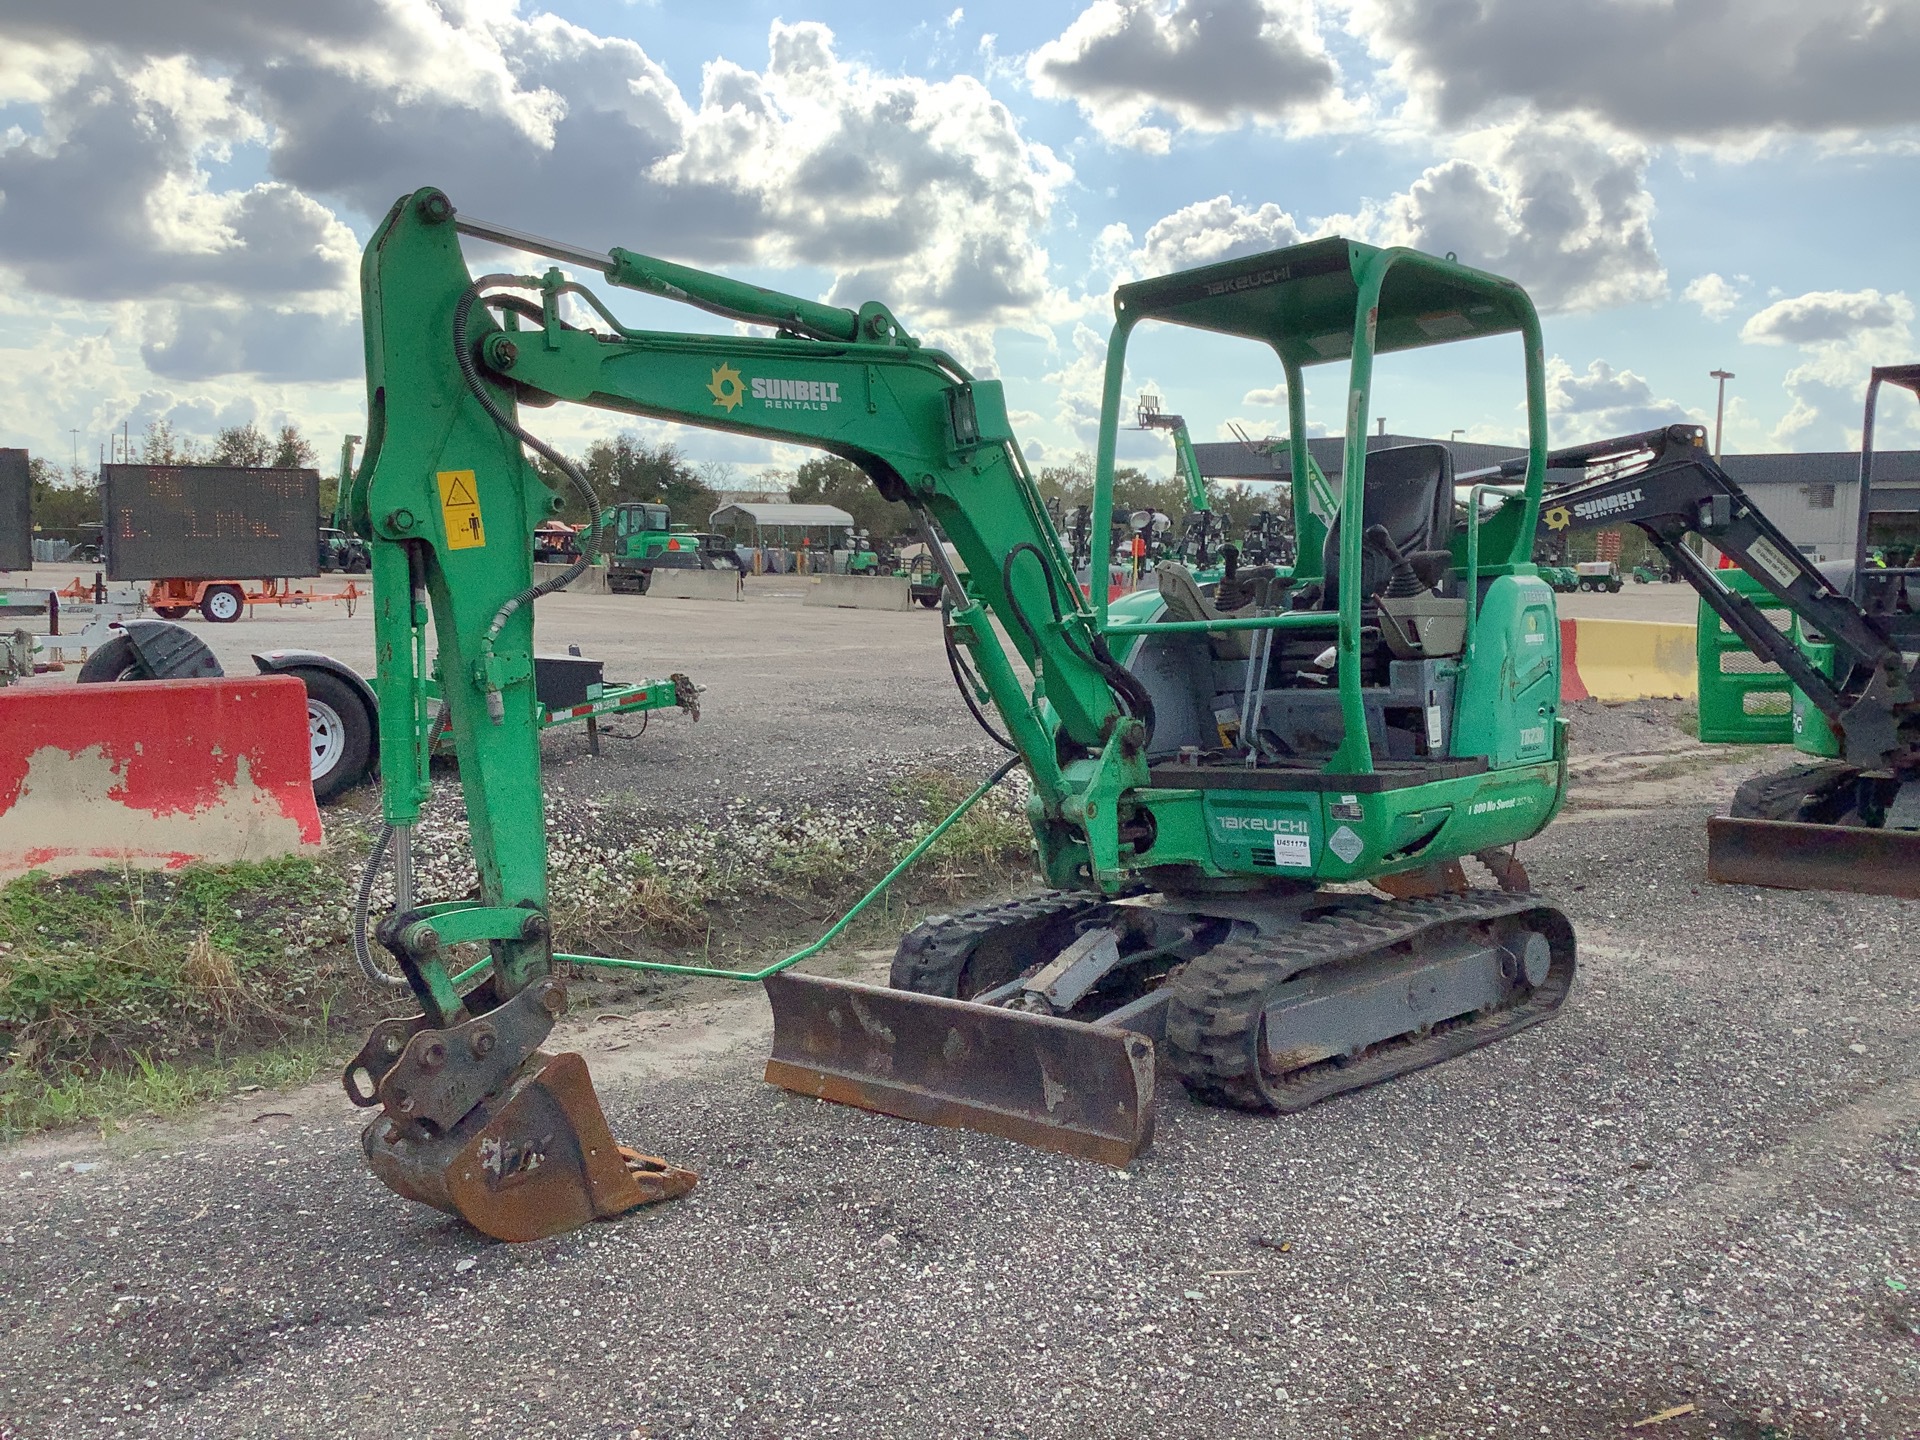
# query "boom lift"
(1393, 709)
(1200, 534)
(1851, 822)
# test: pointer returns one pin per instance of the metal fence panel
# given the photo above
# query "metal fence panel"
(210, 522)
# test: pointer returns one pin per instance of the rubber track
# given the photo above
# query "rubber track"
(932, 955)
(1212, 1035)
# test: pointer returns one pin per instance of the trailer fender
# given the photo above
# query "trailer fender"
(361, 754)
(150, 650)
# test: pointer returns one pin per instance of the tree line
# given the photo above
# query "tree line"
(627, 469)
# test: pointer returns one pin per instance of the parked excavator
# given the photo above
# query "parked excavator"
(1206, 789)
(1838, 664)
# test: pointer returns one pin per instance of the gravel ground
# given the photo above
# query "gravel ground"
(1697, 1186)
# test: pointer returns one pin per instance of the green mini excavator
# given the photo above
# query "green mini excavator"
(1253, 825)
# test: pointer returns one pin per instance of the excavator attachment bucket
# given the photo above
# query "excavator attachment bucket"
(1056, 1084)
(535, 1160)
(1792, 856)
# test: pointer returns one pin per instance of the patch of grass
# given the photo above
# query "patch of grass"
(31, 1100)
(141, 992)
(991, 837)
(98, 968)
(1687, 720)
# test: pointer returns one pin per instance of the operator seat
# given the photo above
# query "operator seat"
(1186, 601)
(1409, 490)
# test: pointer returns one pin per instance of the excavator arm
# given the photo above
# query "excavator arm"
(1665, 483)
(1851, 825)
(449, 497)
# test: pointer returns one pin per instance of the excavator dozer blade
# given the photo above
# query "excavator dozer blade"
(1084, 1090)
(1791, 856)
(535, 1160)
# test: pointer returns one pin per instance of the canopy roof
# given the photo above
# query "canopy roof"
(779, 512)
(1302, 300)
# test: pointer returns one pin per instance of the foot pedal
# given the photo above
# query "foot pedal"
(533, 1161)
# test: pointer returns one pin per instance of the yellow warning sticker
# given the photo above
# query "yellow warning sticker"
(460, 509)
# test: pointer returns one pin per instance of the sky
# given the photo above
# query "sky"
(1681, 185)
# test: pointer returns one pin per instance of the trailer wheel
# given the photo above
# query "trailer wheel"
(223, 604)
(339, 733)
(172, 612)
(932, 602)
(115, 660)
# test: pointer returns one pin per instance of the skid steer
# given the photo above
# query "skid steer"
(1209, 791)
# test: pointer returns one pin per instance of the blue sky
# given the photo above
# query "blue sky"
(184, 187)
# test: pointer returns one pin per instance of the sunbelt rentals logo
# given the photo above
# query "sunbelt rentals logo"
(730, 389)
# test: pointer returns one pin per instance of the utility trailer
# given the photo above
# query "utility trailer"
(197, 531)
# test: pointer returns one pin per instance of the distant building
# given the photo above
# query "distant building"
(1813, 496)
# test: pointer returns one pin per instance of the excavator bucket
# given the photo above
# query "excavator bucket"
(1792, 856)
(1056, 1084)
(537, 1160)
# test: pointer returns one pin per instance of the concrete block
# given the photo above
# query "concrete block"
(859, 592)
(695, 585)
(593, 582)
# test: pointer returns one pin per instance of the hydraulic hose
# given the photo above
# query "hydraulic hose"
(589, 552)
(1133, 696)
(362, 902)
(962, 676)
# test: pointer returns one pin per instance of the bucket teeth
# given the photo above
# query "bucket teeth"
(535, 1160)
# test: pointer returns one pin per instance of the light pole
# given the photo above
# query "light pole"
(1719, 409)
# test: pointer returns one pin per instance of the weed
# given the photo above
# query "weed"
(136, 992)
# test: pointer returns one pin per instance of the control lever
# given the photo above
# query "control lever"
(1413, 574)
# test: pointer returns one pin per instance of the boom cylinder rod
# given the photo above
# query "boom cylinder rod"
(533, 244)
(733, 299)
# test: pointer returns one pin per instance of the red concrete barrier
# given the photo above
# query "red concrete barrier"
(154, 773)
(1572, 687)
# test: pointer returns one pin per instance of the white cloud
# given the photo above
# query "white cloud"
(1203, 64)
(1602, 402)
(1216, 229)
(1840, 334)
(924, 194)
(1714, 294)
(1663, 71)
(1822, 317)
(1563, 210)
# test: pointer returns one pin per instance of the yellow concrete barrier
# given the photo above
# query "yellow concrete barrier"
(1627, 660)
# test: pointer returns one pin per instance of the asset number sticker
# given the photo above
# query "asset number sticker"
(460, 509)
(1292, 852)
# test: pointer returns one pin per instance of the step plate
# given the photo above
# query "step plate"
(1054, 1084)
(1791, 856)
